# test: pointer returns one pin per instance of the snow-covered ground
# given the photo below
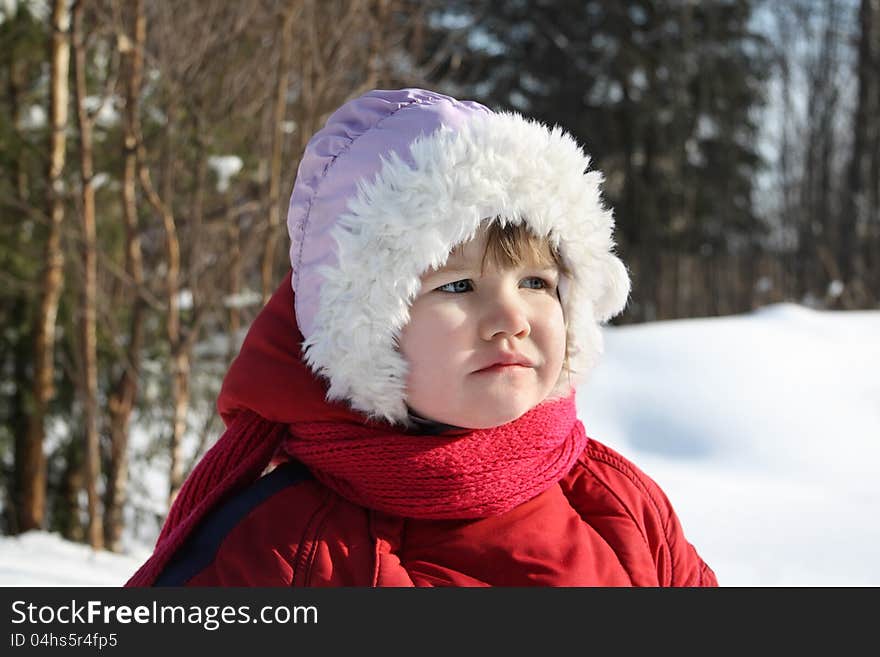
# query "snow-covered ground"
(43, 559)
(763, 430)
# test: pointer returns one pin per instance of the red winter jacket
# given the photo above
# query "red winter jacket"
(604, 524)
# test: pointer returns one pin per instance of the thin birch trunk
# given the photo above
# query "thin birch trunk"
(30, 462)
(233, 236)
(124, 394)
(274, 214)
(179, 361)
(162, 201)
(179, 355)
(88, 328)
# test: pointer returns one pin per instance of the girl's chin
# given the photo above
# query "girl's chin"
(484, 407)
(482, 420)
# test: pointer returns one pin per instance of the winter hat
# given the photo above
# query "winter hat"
(389, 186)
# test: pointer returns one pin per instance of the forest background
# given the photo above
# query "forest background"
(148, 149)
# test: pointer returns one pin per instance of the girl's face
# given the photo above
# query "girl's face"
(483, 347)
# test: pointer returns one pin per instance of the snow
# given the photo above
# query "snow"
(762, 429)
(39, 9)
(41, 559)
(225, 166)
(107, 116)
(243, 299)
(185, 299)
(34, 118)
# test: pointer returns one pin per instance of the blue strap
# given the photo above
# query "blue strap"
(201, 547)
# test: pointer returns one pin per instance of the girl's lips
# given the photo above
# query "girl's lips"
(503, 367)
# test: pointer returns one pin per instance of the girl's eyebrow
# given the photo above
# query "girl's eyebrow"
(449, 268)
(452, 268)
(465, 269)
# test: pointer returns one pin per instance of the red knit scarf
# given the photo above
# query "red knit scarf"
(479, 473)
(482, 472)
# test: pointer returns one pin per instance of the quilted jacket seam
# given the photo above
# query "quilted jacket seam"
(305, 554)
(623, 469)
(611, 492)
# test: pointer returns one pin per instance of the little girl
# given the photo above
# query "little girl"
(402, 411)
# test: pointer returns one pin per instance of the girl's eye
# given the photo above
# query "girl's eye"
(536, 283)
(464, 285)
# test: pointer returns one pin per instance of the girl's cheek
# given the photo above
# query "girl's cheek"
(558, 329)
(449, 315)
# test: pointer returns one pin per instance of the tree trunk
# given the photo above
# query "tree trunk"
(861, 204)
(67, 507)
(194, 252)
(274, 214)
(790, 218)
(377, 73)
(89, 289)
(15, 82)
(827, 218)
(179, 357)
(18, 414)
(180, 395)
(871, 247)
(234, 315)
(30, 462)
(124, 395)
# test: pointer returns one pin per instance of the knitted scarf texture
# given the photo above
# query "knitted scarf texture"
(479, 473)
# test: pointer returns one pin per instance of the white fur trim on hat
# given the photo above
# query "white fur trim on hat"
(410, 216)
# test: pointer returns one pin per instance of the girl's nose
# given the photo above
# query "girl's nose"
(504, 315)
